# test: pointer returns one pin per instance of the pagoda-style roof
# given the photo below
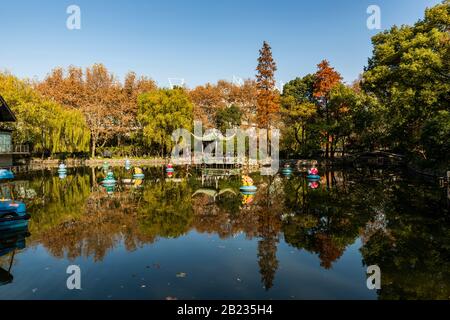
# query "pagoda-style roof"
(213, 135)
(6, 115)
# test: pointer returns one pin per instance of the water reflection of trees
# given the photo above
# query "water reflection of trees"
(323, 221)
(77, 217)
(414, 255)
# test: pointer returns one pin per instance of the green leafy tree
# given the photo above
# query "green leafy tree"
(299, 114)
(409, 73)
(436, 136)
(228, 118)
(160, 113)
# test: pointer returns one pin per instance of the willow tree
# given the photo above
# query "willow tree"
(44, 124)
(211, 99)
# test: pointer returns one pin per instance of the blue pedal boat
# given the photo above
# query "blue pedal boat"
(6, 174)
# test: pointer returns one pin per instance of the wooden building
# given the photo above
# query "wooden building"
(7, 149)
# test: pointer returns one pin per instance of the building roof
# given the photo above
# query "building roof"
(6, 115)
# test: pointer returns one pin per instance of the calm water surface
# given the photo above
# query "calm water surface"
(194, 237)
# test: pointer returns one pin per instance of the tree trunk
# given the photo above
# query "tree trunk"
(327, 117)
(93, 147)
(333, 148)
(297, 138)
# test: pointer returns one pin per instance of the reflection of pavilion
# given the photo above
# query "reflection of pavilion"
(211, 176)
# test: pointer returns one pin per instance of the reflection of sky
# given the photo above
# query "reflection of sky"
(215, 269)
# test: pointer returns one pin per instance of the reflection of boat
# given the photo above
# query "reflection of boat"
(10, 241)
(169, 168)
(6, 174)
(62, 175)
(313, 184)
(109, 180)
(287, 170)
(248, 198)
(248, 188)
(138, 174)
(127, 164)
(110, 189)
(12, 213)
(62, 171)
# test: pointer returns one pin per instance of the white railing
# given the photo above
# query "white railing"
(14, 149)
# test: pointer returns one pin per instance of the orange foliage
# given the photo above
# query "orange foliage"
(326, 79)
(268, 101)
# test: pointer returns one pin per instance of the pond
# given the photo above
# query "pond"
(196, 236)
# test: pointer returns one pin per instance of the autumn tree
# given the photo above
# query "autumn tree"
(110, 108)
(326, 78)
(207, 101)
(246, 99)
(211, 99)
(133, 86)
(267, 96)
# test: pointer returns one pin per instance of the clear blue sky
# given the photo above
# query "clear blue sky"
(198, 40)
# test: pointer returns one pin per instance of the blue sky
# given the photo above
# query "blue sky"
(197, 40)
